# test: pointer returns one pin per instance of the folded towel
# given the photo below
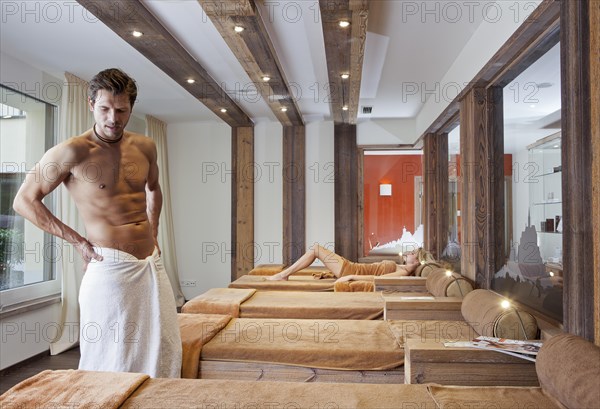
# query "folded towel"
(354, 286)
(266, 269)
(323, 275)
(197, 330)
(70, 388)
(128, 316)
(225, 301)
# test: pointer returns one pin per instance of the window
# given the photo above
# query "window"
(27, 130)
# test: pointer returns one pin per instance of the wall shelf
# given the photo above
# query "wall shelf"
(545, 195)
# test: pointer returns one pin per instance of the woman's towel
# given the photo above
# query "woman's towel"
(128, 316)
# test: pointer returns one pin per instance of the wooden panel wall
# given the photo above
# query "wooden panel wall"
(435, 186)
(578, 236)
(242, 201)
(294, 193)
(346, 191)
(482, 196)
(595, 113)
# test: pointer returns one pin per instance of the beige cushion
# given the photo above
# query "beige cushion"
(440, 285)
(482, 310)
(568, 368)
(424, 270)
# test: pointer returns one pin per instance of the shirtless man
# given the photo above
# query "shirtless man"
(346, 270)
(112, 175)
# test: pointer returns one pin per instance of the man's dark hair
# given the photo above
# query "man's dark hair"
(115, 81)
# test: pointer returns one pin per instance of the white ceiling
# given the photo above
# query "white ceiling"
(402, 49)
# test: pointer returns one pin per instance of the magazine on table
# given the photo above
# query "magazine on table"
(522, 349)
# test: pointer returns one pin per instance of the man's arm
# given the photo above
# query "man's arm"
(154, 198)
(54, 167)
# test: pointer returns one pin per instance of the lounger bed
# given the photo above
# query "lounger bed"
(568, 368)
(293, 283)
(252, 303)
(332, 350)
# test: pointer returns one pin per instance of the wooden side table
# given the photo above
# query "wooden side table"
(426, 361)
(400, 284)
(398, 307)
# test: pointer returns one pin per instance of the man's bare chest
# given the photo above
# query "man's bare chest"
(113, 171)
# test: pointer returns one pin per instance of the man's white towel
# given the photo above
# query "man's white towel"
(128, 316)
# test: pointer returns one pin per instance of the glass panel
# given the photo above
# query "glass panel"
(393, 191)
(532, 274)
(27, 130)
(452, 251)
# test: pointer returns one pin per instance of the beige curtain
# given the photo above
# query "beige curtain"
(75, 118)
(157, 130)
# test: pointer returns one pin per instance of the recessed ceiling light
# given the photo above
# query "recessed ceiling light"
(136, 33)
(223, 110)
(532, 106)
(238, 29)
(345, 108)
(266, 78)
(344, 23)
(345, 76)
(555, 146)
(190, 80)
(283, 109)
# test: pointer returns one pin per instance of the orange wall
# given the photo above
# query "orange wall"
(385, 216)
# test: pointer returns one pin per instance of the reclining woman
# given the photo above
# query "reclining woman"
(346, 270)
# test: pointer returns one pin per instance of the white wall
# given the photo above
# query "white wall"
(386, 132)
(200, 177)
(268, 193)
(320, 188)
(137, 123)
(22, 77)
(500, 21)
(28, 334)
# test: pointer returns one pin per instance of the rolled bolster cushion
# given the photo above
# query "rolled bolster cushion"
(424, 270)
(482, 310)
(568, 368)
(440, 285)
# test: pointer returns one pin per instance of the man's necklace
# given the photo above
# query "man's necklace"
(104, 139)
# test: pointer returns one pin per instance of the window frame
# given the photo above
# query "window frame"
(24, 296)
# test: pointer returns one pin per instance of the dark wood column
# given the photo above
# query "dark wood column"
(482, 170)
(435, 186)
(595, 109)
(577, 27)
(242, 201)
(346, 191)
(294, 193)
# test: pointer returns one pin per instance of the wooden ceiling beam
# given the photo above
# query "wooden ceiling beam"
(344, 49)
(164, 51)
(255, 52)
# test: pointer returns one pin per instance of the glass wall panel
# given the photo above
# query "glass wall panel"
(393, 206)
(532, 274)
